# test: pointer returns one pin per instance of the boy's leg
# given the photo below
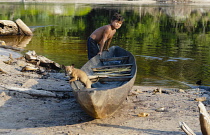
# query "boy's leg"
(92, 48)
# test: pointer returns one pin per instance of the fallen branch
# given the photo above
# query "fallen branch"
(186, 129)
(32, 92)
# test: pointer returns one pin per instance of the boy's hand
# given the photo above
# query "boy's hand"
(99, 53)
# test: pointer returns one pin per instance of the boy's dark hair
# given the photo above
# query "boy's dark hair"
(117, 17)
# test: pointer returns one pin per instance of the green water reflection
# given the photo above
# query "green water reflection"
(170, 42)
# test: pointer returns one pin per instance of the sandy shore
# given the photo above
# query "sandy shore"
(24, 113)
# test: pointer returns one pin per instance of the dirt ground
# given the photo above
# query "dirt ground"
(54, 111)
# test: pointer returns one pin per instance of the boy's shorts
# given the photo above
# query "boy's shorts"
(93, 48)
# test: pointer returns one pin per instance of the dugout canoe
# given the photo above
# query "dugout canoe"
(115, 73)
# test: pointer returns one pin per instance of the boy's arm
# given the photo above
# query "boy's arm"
(103, 40)
(106, 47)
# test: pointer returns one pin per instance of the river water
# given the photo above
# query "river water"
(170, 41)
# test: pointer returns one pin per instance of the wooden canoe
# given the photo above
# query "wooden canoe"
(109, 92)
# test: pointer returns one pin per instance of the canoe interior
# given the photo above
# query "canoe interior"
(116, 56)
(107, 93)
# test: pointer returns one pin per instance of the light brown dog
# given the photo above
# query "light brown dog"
(78, 74)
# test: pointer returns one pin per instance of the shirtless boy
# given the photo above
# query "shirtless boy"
(101, 38)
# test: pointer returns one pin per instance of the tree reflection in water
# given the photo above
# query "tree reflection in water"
(170, 41)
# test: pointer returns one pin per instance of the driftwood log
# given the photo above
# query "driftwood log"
(38, 60)
(26, 30)
(18, 27)
(186, 129)
(204, 119)
(32, 92)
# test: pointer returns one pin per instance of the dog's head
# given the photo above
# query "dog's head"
(68, 69)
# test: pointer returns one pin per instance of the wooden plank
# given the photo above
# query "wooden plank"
(114, 58)
(110, 74)
(97, 76)
(111, 66)
(112, 79)
(106, 75)
(118, 69)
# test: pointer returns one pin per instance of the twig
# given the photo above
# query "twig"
(186, 129)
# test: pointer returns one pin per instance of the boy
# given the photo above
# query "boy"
(101, 38)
